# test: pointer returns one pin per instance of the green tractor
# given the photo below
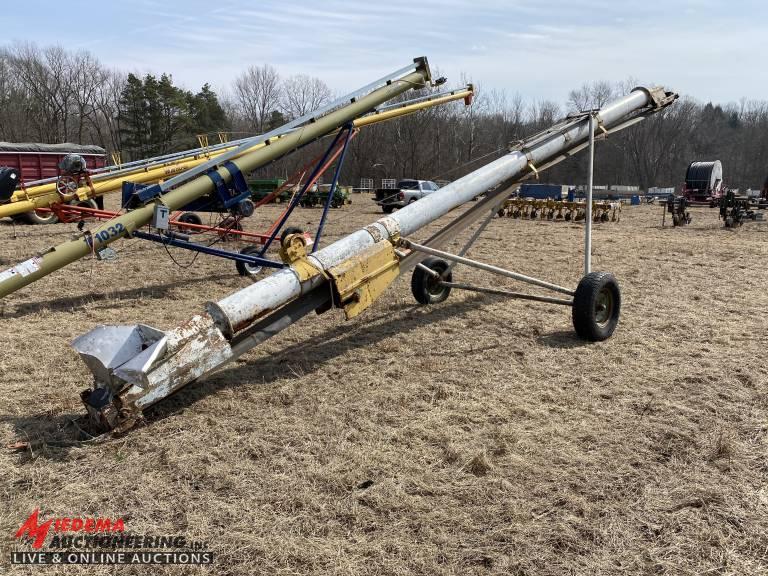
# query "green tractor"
(261, 188)
(317, 194)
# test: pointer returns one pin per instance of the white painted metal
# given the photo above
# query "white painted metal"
(590, 181)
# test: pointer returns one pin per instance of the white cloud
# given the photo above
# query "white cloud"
(540, 49)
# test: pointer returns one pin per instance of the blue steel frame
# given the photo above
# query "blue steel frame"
(259, 259)
(348, 129)
(187, 245)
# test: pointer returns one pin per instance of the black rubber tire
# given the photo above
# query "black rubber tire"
(33, 217)
(387, 209)
(596, 306)
(190, 218)
(424, 287)
(90, 203)
(247, 269)
(289, 230)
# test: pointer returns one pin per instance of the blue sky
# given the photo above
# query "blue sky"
(708, 49)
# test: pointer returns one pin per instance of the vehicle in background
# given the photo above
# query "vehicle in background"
(31, 161)
(405, 192)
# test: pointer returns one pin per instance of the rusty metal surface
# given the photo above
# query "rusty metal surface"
(106, 348)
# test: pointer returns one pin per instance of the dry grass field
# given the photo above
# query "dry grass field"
(478, 436)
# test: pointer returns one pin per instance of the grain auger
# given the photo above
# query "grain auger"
(560, 210)
(219, 178)
(136, 366)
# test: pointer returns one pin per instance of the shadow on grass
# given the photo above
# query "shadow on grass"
(311, 354)
(49, 436)
(562, 339)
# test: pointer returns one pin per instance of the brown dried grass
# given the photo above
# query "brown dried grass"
(476, 437)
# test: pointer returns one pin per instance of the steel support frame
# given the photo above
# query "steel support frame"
(195, 247)
(260, 259)
(332, 190)
(491, 204)
(456, 259)
(346, 133)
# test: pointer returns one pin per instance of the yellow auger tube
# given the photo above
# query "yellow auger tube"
(410, 109)
(63, 254)
(45, 195)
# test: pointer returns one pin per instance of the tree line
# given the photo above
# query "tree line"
(54, 95)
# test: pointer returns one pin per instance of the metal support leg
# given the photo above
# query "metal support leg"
(443, 236)
(178, 242)
(334, 182)
(472, 239)
(297, 198)
(507, 293)
(590, 182)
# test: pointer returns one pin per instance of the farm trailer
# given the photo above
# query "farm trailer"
(33, 163)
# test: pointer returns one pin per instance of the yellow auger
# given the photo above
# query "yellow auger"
(45, 195)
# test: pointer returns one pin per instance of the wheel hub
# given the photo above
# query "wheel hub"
(604, 306)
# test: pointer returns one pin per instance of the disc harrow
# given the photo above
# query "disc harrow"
(559, 210)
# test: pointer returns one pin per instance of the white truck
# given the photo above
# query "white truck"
(404, 193)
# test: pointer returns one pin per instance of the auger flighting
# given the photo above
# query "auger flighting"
(136, 366)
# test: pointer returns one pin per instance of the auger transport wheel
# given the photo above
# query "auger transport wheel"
(426, 288)
(596, 306)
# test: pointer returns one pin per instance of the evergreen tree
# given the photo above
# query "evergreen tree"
(133, 120)
(207, 113)
(157, 117)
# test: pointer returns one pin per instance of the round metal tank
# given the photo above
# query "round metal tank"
(705, 177)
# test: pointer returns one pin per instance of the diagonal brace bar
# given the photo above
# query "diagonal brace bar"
(487, 267)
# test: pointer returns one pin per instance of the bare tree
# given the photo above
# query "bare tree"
(257, 91)
(302, 94)
(590, 96)
(106, 121)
